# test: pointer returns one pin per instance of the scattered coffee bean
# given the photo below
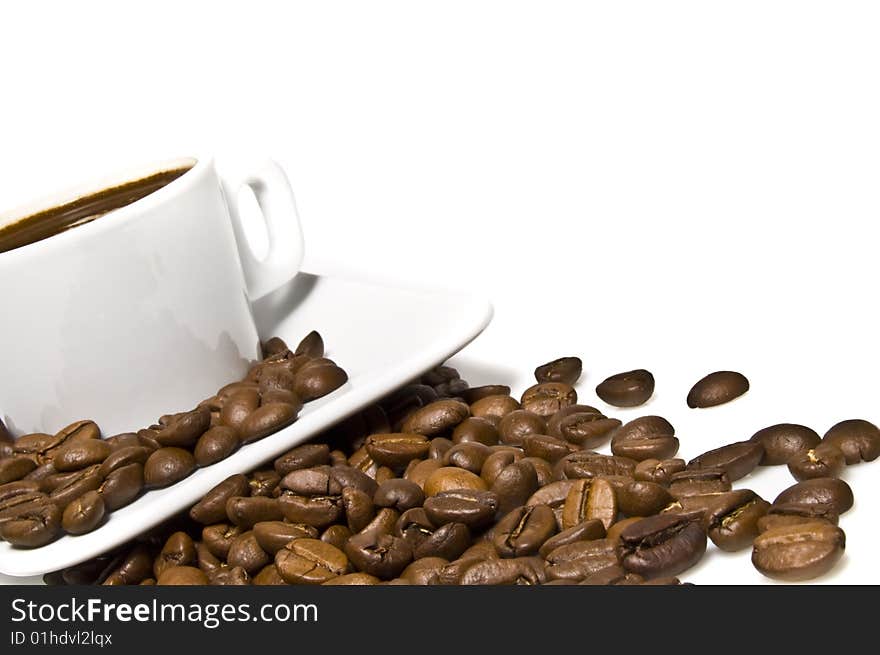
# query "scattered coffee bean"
(166, 466)
(783, 441)
(717, 388)
(547, 398)
(798, 552)
(565, 369)
(737, 460)
(824, 461)
(662, 545)
(648, 437)
(833, 492)
(858, 440)
(628, 389)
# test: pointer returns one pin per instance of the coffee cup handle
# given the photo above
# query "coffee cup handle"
(275, 197)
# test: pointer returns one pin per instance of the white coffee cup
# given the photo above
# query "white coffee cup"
(143, 311)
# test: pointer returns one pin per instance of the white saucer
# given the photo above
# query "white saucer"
(382, 337)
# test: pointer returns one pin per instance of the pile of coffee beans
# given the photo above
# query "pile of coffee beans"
(71, 481)
(441, 483)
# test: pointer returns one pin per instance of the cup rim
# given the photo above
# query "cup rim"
(122, 214)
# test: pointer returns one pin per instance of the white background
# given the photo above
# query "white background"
(680, 186)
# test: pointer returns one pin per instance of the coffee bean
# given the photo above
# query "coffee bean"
(546, 448)
(179, 550)
(238, 406)
(833, 492)
(215, 444)
(474, 509)
(613, 575)
(661, 545)
(185, 429)
(587, 430)
(576, 561)
(312, 345)
(336, 535)
(586, 464)
(77, 455)
(310, 561)
(382, 555)
(717, 388)
(78, 483)
(798, 552)
(272, 536)
(268, 575)
(448, 541)
(494, 408)
(554, 421)
(824, 461)
(737, 460)
(696, 482)
(84, 514)
(783, 441)
(518, 424)
(565, 369)
(122, 486)
(135, 566)
(15, 468)
(219, 537)
(399, 494)
(246, 511)
(423, 571)
(312, 382)
(641, 498)
(659, 471)
(420, 471)
(438, 447)
(359, 508)
(275, 346)
(589, 499)
(236, 576)
(34, 524)
(166, 466)
(316, 511)
(182, 576)
(524, 530)
(473, 394)
(436, 418)
(514, 485)
(475, 429)
(305, 456)
(519, 571)
(245, 552)
(397, 450)
(586, 531)
(647, 437)
(858, 440)
(123, 457)
(547, 398)
(266, 420)
(212, 507)
(468, 455)
(628, 389)
(497, 461)
(449, 478)
(785, 514)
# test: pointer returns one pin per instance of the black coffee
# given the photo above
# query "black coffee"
(49, 222)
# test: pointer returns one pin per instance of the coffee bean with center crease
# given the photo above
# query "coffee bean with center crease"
(79, 482)
(628, 389)
(245, 552)
(448, 541)
(77, 455)
(215, 444)
(236, 576)
(737, 460)
(469, 455)
(272, 536)
(833, 492)
(382, 555)
(717, 388)
(397, 450)
(475, 509)
(824, 461)
(732, 522)
(589, 499)
(577, 560)
(547, 448)
(587, 430)
(267, 419)
(310, 561)
(122, 486)
(783, 514)
(301, 457)
(219, 537)
(659, 471)
(565, 369)
(84, 514)
(166, 466)
(695, 482)
(179, 550)
(436, 418)
(587, 531)
(798, 552)
(423, 571)
(359, 508)
(518, 424)
(547, 398)
(336, 535)
(858, 440)
(123, 457)
(524, 530)
(662, 545)
(641, 498)
(245, 511)
(316, 511)
(514, 485)
(414, 526)
(212, 507)
(647, 437)
(783, 441)
(399, 494)
(15, 468)
(586, 464)
(450, 478)
(494, 408)
(33, 524)
(475, 429)
(515, 571)
(185, 429)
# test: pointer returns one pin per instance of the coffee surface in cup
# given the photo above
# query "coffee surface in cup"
(84, 209)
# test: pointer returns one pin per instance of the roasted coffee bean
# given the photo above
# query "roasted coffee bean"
(439, 446)
(84, 514)
(554, 421)
(450, 478)
(314, 481)
(179, 550)
(302, 457)
(647, 437)
(696, 482)
(733, 525)
(397, 450)
(614, 532)
(182, 576)
(277, 379)
(17, 488)
(784, 514)
(717, 388)
(783, 441)
(546, 448)
(236, 576)
(87, 479)
(494, 408)
(423, 571)
(420, 471)
(547, 398)
(336, 535)
(448, 541)
(473, 394)
(518, 424)
(577, 560)
(267, 419)
(382, 555)
(497, 461)
(275, 346)
(514, 485)
(589, 499)
(233, 388)
(359, 508)
(185, 429)
(272, 536)
(414, 526)
(737, 460)
(524, 530)
(246, 552)
(833, 492)
(565, 369)
(824, 461)
(543, 469)
(662, 545)
(219, 537)
(475, 429)
(215, 444)
(475, 509)
(659, 471)
(122, 486)
(312, 345)
(467, 455)
(33, 524)
(628, 389)
(399, 494)
(312, 382)
(123, 440)
(212, 507)
(135, 566)
(166, 466)
(15, 468)
(439, 375)
(310, 561)
(587, 430)
(798, 552)
(515, 571)
(858, 440)
(268, 575)
(147, 439)
(641, 498)
(436, 418)
(206, 560)
(352, 579)
(317, 511)
(123, 457)
(238, 406)
(587, 531)
(586, 464)
(245, 511)
(77, 455)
